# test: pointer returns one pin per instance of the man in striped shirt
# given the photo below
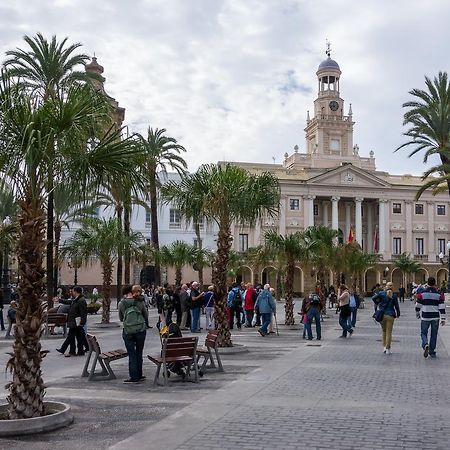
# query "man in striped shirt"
(430, 309)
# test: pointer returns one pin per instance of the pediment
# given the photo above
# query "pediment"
(348, 175)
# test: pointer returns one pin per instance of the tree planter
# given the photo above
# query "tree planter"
(92, 308)
(59, 415)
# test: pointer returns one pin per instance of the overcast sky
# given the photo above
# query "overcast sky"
(233, 79)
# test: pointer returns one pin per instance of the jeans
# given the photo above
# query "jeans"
(75, 333)
(344, 323)
(210, 325)
(249, 314)
(386, 325)
(265, 317)
(424, 325)
(354, 312)
(134, 344)
(195, 324)
(314, 313)
(235, 310)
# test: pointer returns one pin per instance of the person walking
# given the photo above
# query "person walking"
(266, 306)
(184, 306)
(209, 308)
(401, 294)
(344, 311)
(76, 320)
(196, 298)
(353, 303)
(249, 304)
(387, 301)
(133, 315)
(430, 309)
(313, 313)
(234, 301)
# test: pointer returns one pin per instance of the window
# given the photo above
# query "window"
(335, 145)
(196, 241)
(294, 204)
(440, 209)
(397, 247)
(243, 242)
(442, 247)
(397, 208)
(175, 218)
(201, 222)
(419, 208)
(419, 246)
(316, 210)
(148, 216)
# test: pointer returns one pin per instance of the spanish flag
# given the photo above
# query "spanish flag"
(351, 236)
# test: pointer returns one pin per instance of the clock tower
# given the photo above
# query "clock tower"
(329, 132)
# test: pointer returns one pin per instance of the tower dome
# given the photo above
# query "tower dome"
(328, 64)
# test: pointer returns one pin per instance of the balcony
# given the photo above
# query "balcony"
(421, 257)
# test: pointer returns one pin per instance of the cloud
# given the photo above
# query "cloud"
(233, 79)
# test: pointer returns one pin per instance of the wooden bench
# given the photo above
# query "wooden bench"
(104, 359)
(206, 351)
(53, 320)
(176, 350)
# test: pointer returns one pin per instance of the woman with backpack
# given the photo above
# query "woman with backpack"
(387, 302)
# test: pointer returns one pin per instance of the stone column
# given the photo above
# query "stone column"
(308, 210)
(311, 199)
(325, 213)
(409, 234)
(358, 219)
(282, 216)
(369, 218)
(382, 223)
(348, 219)
(431, 241)
(334, 213)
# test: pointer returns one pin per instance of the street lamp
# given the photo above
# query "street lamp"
(441, 257)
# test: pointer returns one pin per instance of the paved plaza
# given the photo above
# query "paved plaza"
(282, 393)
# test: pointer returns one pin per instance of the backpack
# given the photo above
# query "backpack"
(237, 296)
(133, 320)
(314, 299)
(167, 302)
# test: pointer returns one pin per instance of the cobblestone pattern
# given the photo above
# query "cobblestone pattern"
(363, 399)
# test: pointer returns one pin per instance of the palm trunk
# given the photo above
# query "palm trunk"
(289, 285)
(26, 390)
(279, 285)
(107, 280)
(178, 276)
(58, 228)
(49, 255)
(154, 226)
(200, 246)
(119, 211)
(127, 256)
(219, 279)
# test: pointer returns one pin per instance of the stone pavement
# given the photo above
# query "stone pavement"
(283, 394)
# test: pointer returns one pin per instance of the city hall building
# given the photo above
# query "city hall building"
(331, 184)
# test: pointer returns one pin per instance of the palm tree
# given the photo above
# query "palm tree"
(231, 194)
(407, 265)
(294, 249)
(161, 152)
(26, 129)
(429, 120)
(177, 255)
(102, 240)
(48, 69)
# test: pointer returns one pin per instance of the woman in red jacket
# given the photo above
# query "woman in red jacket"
(249, 304)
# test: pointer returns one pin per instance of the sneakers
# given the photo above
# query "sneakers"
(350, 332)
(130, 381)
(426, 351)
(388, 351)
(432, 355)
(385, 351)
(60, 351)
(261, 332)
(143, 378)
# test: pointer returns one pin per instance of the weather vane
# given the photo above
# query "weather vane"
(328, 50)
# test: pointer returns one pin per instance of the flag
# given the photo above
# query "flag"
(376, 243)
(351, 236)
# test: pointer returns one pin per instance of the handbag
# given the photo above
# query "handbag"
(378, 315)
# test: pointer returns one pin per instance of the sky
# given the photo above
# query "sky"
(232, 79)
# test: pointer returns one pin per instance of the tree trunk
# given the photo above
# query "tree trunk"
(219, 278)
(178, 276)
(107, 280)
(279, 285)
(58, 228)
(289, 286)
(200, 246)
(154, 226)
(49, 255)
(26, 390)
(127, 228)
(119, 211)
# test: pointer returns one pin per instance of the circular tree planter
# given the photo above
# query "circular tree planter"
(58, 415)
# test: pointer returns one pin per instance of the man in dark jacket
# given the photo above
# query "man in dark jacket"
(76, 320)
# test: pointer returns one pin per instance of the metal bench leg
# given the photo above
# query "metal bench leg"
(219, 362)
(94, 363)
(85, 372)
(166, 375)
(195, 368)
(111, 375)
(212, 365)
(158, 369)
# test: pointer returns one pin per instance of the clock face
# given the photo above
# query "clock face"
(334, 106)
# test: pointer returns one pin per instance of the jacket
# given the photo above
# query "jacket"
(388, 305)
(78, 308)
(232, 294)
(249, 302)
(265, 303)
(126, 302)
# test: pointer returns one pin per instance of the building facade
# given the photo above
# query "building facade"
(331, 184)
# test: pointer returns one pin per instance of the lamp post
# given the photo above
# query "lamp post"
(441, 257)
